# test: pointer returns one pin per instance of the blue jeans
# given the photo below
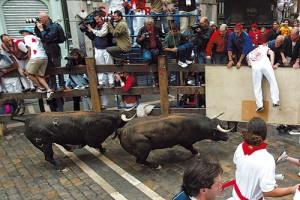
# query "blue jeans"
(78, 80)
(149, 54)
(201, 56)
(220, 58)
(185, 51)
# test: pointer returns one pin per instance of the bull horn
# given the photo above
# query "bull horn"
(224, 130)
(216, 116)
(129, 109)
(125, 119)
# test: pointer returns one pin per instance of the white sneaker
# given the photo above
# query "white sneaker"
(79, 87)
(189, 62)
(49, 94)
(182, 64)
(283, 156)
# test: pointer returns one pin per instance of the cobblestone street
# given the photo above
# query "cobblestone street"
(25, 175)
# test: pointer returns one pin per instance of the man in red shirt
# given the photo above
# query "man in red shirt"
(218, 42)
(255, 34)
(127, 81)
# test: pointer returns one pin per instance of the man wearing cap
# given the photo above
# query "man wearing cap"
(38, 60)
(239, 44)
(255, 34)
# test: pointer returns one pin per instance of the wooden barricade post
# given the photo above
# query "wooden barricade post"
(92, 75)
(163, 85)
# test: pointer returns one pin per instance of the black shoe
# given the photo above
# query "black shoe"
(260, 109)
(276, 104)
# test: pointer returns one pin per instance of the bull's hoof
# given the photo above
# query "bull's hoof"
(102, 150)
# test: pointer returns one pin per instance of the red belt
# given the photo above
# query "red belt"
(236, 189)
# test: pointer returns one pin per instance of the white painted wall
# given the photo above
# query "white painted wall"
(226, 89)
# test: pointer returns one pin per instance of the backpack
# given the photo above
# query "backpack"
(181, 196)
(61, 34)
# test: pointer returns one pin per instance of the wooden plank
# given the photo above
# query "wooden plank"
(163, 84)
(93, 82)
(147, 90)
(249, 110)
(186, 90)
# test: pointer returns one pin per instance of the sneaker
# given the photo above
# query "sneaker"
(260, 109)
(32, 89)
(189, 62)
(79, 87)
(50, 94)
(41, 90)
(182, 64)
(276, 105)
(283, 156)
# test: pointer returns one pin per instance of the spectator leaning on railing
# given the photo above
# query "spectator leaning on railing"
(239, 44)
(290, 51)
(276, 46)
(218, 42)
(119, 30)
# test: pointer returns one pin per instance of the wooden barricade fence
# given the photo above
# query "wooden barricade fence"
(163, 67)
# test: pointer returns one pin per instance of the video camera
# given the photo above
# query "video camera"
(89, 20)
(194, 27)
(32, 20)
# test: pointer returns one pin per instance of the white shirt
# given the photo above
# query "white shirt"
(254, 173)
(259, 56)
(36, 46)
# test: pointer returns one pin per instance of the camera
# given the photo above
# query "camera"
(89, 20)
(194, 27)
(32, 20)
(147, 34)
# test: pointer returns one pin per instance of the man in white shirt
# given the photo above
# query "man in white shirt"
(101, 40)
(38, 60)
(262, 66)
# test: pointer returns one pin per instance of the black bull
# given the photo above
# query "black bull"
(77, 128)
(141, 135)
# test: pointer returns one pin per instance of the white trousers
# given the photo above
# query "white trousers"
(258, 71)
(104, 79)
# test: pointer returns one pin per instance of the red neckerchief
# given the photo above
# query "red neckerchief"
(249, 149)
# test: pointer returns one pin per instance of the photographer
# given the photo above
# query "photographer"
(121, 35)
(149, 39)
(200, 38)
(51, 35)
(126, 81)
(77, 81)
(101, 40)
